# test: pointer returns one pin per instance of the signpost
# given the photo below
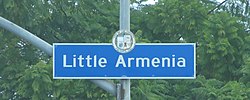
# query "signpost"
(124, 92)
(145, 61)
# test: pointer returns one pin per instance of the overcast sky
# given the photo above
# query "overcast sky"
(153, 1)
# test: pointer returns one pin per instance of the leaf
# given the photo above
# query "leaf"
(57, 93)
(8, 3)
(35, 85)
(46, 79)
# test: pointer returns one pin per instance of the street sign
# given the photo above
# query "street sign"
(145, 61)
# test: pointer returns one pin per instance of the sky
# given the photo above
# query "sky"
(220, 0)
(153, 1)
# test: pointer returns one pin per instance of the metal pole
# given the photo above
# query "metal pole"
(106, 85)
(125, 15)
(125, 25)
(26, 35)
(47, 48)
(118, 94)
(125, 92)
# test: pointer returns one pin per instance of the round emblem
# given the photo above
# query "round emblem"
(123, 41)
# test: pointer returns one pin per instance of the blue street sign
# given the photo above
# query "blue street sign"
(145, 61)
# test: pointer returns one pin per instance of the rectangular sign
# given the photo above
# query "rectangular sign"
(145, 61)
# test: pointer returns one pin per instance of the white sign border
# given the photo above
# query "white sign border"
(194, 74)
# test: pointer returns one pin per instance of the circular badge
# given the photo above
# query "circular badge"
(123, 41)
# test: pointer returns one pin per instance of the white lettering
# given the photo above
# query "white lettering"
(65, 61)
(74, 61)
(129, 61)
(102, 62)
(181, 62)
(88, 61)
(120, 60)
(80, 59)
(142, 62)
(173, 61)
(155, 62)
(163, 62)
(95, 61)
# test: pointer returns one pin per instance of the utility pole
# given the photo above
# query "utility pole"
(123, 89)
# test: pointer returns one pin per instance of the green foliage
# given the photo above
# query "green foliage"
(222, 47)
(150, 89)
(238, 8)
(35, 82)
(223, 50)
(170, 20)
(199, 89)
(246, 66)
(213, 89)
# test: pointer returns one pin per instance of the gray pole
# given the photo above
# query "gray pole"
(118, 94)
(125, 15)
(26, 35)
(125, 25)
(47, 48)
(106, 85)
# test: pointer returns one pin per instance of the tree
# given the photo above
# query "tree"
(222, 39)
(53, 21)
(222, 47)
